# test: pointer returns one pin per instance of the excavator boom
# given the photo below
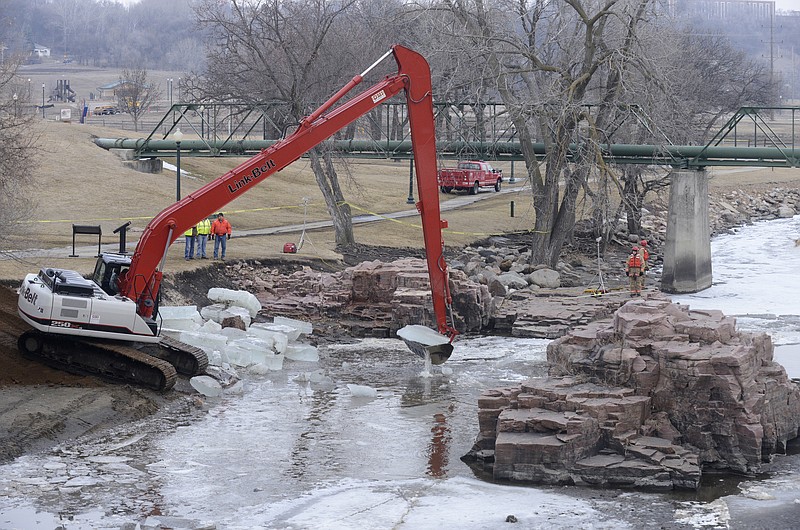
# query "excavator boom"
(142, 281)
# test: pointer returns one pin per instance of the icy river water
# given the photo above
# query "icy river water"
(296, 450)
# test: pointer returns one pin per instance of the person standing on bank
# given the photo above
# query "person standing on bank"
(633, 269)
(644, 255)
(221, 230)
(191, 235)
(203, 235)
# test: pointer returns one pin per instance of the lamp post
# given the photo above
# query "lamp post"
(177, 136)
(179, 90)
(169, 90)
(410, 199)
(14, 97)
(42, 100)
(29, 89)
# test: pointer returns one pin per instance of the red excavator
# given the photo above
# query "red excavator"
(88, 324)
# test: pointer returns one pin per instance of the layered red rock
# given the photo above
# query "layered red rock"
(373, 298)
(658, 393)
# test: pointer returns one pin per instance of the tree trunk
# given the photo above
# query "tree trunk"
(633, 200)
(328, 182)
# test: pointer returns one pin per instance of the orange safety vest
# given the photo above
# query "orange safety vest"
(634, 261)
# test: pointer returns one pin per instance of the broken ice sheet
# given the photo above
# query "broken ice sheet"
(208, 386)
(302, 352)
(241, 299)
(305, 328)
(362, 391)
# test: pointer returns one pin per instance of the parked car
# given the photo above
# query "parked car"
(470, 175)
(102, 110)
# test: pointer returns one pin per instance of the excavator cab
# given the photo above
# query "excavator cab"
(108, 269)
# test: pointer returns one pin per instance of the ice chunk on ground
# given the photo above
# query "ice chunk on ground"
(211, 312)
(290, 332)
(214, 358)
(270, 363)
(236, 298)
(179, 312)
(235, 311)
(235, 388)
(302, 352)
(226, 376)
(266, 336)
(362, 391)
(253, 351)
(208, 342)
(206, 385)
(446, 370)
(305, 328)
(211, 326)
(279, 339)
(182, 324)
(233, 333)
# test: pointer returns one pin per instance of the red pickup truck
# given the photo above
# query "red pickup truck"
(470, 175)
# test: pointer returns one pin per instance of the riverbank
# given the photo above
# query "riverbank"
(94, 406)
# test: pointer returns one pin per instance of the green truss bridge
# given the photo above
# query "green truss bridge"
(752, 137)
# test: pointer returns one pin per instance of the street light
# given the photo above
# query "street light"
(410, 199)
(42, 100)
(29, 89)
(177, 136)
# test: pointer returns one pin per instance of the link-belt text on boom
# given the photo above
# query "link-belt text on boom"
(254, 174)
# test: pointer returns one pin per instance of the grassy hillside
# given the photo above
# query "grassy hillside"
(78, 182)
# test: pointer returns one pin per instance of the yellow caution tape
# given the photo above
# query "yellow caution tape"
(146, 218)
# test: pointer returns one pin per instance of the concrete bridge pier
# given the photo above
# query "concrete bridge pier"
(687, 250)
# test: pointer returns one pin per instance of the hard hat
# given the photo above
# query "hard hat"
(644, 242)
(635, 247)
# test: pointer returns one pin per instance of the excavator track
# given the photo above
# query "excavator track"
(187, 360)
(105, 359)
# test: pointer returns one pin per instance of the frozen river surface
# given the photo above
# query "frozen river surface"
(296, 450)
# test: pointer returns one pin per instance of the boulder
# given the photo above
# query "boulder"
(512, 280)
(547, 278)
(645, 398)
(785, 211)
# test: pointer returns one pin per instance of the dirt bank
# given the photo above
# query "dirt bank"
(40, 406)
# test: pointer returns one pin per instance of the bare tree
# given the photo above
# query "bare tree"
(545, 61)
(136, 93)
(296, 52)
(17, 149)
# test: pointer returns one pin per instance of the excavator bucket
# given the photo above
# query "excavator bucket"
(425, 341)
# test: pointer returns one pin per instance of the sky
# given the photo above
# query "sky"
(787, 4)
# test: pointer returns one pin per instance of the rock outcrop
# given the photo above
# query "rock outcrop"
(372, 299)
(648, 398)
